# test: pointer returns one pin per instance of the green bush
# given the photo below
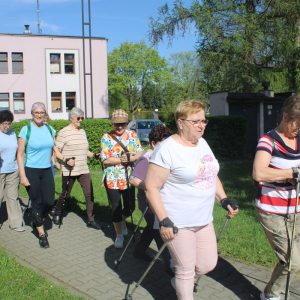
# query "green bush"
(162, 115)
(17, 126)
(226, 135)
(94, 128)
(59, 124)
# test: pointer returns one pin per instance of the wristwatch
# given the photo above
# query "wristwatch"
(295, 173)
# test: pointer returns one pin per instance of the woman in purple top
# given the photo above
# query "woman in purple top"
(156, 136)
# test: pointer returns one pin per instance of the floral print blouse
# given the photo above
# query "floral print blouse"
(115, 175)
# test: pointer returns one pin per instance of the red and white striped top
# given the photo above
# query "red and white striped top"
(278, 197)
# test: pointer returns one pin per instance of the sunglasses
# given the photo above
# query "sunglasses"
(78, 118)
(120, 124)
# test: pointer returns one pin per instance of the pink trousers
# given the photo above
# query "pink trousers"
(194, 251)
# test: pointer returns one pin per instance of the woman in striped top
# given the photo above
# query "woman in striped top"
(276, 163)
(72, 142)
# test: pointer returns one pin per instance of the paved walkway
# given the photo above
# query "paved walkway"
(83, 259)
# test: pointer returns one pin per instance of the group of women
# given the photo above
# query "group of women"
(30, 160)
(177, 177)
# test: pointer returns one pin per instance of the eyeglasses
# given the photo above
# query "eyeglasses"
(78, 118)
(197, 122)
(6, 124)
(297, 125)
(120, 124)
(38, 113)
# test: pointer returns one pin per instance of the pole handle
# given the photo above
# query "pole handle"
(235, 207)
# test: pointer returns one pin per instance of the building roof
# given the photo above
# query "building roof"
(257, 97)
(47, 35)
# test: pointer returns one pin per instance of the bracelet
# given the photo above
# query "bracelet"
(94, 155)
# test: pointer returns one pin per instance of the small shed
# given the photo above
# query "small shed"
(261, 109)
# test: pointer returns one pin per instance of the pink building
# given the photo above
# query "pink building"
(49, 69)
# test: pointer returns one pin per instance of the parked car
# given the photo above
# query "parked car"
(143, 128)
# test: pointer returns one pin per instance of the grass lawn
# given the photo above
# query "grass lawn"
(243, 239)
(18, 282)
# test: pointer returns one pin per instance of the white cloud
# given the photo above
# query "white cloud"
(53, 27)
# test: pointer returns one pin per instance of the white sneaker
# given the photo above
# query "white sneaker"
(173, 283)
(124, 229)
(119, 241)
(263, 297)
(19, 229)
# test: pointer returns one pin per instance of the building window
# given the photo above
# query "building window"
(19, 103)
(56, 102)
(70, 100)
(17, 63)
(54, 63)
(3, 62)
(4, 101)
(69, 63)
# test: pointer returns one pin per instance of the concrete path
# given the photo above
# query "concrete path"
(83, 259)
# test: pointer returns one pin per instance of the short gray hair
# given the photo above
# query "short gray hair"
(74, 112)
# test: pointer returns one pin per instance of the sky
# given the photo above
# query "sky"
(118, 20)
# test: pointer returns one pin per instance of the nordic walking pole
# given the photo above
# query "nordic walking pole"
(25, 210)
(292, 242)
(127, 179)
(135, 230)
(66, 193)
(129, 296)
(234, 206)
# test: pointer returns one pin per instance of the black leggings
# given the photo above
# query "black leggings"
(149, 233)
(114, 196)
(41, 192)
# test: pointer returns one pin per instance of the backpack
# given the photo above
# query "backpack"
(28, 132)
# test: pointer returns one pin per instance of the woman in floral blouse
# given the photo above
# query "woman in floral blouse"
(116, 164)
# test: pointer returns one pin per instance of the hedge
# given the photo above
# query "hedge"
(226, 135)
(94, 128)
(162, 115)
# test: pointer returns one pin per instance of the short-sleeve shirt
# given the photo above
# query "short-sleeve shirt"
(39, 147)
(74, 143)
(189, 192)
(115, 175)
(140, 171)
(9, 147)
(278, 197)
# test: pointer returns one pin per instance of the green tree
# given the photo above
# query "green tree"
(186, 69)
(131, 68)
(240, 42)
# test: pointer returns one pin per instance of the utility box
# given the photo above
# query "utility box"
(261, 109)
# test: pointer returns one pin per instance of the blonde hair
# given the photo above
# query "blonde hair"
(188, 107)
(46, 117)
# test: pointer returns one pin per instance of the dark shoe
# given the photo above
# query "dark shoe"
(143, 256)
(93, 225)
(43, 241)
(56, 219)
(52, 212)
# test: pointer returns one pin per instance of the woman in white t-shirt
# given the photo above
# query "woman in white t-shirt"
(181, 186)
